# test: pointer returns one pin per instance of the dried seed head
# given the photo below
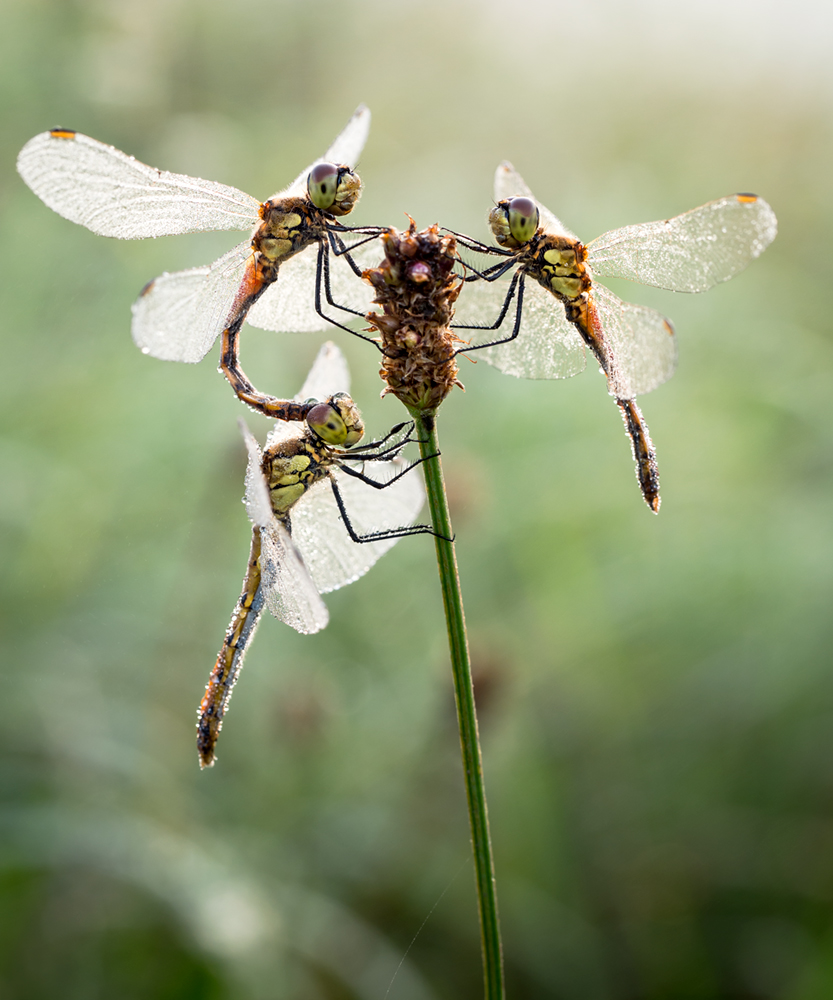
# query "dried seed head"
(416, 287)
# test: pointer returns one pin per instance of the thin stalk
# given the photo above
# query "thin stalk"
(466, 716)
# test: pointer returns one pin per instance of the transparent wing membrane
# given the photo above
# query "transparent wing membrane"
(329, 374)
(288, 305)
(180, 315)
(290, 593)
(690, 252)
(332, 557)
(287, 587)
(510, 184)
(639, 341)
(256, 498)
(348, 144)
(113, 194)
(346, 148)
(548, 346)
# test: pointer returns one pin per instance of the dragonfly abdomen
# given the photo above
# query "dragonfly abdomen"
(244, 622)
(644, 455)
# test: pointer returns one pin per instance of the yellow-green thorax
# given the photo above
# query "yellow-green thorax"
(557, 263)
(296, 466)
(292, 466)
(289, 226)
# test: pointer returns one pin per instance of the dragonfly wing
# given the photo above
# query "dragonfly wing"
(346, 148)
(639, 343)
(179, 316)
(113, 194)
(329, 374)
(690, 252)
(288, 305)
(287, 586)
(290, 593)
(547, 346)
(510, 184)
(348, 144)
(284, 431)
(333, 558)
(256, 498)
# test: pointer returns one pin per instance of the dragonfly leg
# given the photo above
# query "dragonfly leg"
(644, 454)
(377, 536)
(375, 451)
(392, 451)
(374, 482)
(340, 249)
(230, 658)
(516, 285)
(472, 244)
(391, 433)
(490, 273)
(384, 455)
(322, 277)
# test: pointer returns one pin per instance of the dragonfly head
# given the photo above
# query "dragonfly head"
(337, 421)
(514, 221)
(333, 188)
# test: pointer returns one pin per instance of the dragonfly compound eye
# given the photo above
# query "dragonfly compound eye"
(326, 422)
(333, 189)
(522, 214)
(322, 184)
(514, 222)
(337, 421)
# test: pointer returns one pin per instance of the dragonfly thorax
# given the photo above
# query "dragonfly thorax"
(557, 263)
(291, 468)
(289, 226)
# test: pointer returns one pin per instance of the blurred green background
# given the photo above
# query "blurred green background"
(656, 693)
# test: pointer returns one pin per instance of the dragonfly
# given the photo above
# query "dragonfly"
(565, 308)
(319, 521)
(295, 233)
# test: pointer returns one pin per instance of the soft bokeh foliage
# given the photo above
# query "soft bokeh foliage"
(656, 694)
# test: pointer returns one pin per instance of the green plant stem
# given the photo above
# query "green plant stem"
(466, 715)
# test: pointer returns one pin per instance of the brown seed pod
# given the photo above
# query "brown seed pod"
(416, 287)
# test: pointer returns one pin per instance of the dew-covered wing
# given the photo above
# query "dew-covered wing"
(640, 344)
(113, 194)
(256, 498)
(332, 557)
(179, 315)
(288, 588)
(288, 305)
(547, 345)
(510, 184)
(345, 149)
(329, 374)
(690, 252)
